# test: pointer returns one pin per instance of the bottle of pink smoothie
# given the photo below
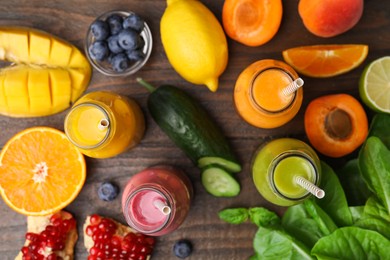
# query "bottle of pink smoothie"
(156, 200)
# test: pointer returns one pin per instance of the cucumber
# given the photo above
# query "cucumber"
(219, 182)
(187, 123)
(226, 164)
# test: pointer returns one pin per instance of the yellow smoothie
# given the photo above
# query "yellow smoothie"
(104, 124)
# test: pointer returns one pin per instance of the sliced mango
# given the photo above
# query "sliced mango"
(39, 48)
(49, 74)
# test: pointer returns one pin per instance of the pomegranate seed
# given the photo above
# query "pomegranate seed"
(52, 256)
(93, 250)
(89, 230)
(116, 241)
(32, 237)
(91, 257)
(94, 219)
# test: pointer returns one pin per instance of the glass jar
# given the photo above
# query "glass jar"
(156, 200)
(104, 124)
(259, 95)
(278, 164)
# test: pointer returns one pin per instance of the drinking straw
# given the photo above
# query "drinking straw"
(164, 208)
(103, 124)
(292, 87)
(310, 187)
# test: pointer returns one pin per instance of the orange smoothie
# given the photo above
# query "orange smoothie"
(258, 94)
(104, 124)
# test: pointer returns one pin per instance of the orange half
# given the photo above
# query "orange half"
(321, 61)
(41, 172)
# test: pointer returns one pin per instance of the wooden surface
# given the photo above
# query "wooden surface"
(212, 238)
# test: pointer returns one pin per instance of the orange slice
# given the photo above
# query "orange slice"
(41, 172)
(321, 61)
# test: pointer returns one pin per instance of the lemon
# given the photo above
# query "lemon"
(374, 86)
(194, 42)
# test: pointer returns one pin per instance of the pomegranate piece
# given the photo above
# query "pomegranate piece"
(49, 237)
(106, 239)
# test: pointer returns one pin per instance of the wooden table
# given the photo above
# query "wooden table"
(212, 238)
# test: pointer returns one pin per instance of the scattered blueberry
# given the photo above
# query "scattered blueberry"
(100, 30)
(129, 39)
(182, 248)
(119, 62)
(135, 55)
(113, 44)
(98, 50)
(108, 191)
(134, 22)
(115, 22)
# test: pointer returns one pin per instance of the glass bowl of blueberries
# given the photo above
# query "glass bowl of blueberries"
(118, 43)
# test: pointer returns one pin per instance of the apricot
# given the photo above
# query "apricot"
(336, 124)
(328, 18)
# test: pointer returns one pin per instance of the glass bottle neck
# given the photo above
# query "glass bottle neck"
(283, 170)
(135, 206)
(88, 125)
(265, 91)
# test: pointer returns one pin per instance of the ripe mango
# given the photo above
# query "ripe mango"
(46, 76)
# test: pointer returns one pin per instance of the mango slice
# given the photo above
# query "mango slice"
(48, 74)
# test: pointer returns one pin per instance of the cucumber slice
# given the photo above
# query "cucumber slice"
(226, 164)
(219, 182)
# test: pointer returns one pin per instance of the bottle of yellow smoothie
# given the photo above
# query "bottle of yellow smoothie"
(286, 171)
(267, 94)
(104, 124)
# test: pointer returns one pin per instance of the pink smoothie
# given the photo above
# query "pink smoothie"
(164, 184)
(143, 209)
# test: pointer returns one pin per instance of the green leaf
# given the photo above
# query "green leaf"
(275, 244)
(354, 186)
(374, 163)
(324, 222)
(379, 225)
(357, 213)
(334, 203)
(352, 243)
(301, 225)
(380, 127)
(262, 217)
(234, 216)
(374, 208)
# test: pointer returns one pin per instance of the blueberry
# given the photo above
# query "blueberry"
(129, 39)
(98, 50)
(115, 21)
(113, 44)
(135, 55)
(182, 248)
(108, 191)
(134, 22)
(119, 62)
(100, 30)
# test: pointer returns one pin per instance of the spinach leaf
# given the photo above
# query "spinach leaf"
(380, 127)
(334, 202)
(275, 244)
(357, 213)
(375, 224)
(262, 217)
(300, 224)
(324, 222)
(352, 243)
(234, 215)
(354, 186)
(374, 163)
(374, 208)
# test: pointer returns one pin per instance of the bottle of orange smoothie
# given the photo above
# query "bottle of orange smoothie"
(104, 124)
(266, 94)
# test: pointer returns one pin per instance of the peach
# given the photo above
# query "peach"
(328, 18)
